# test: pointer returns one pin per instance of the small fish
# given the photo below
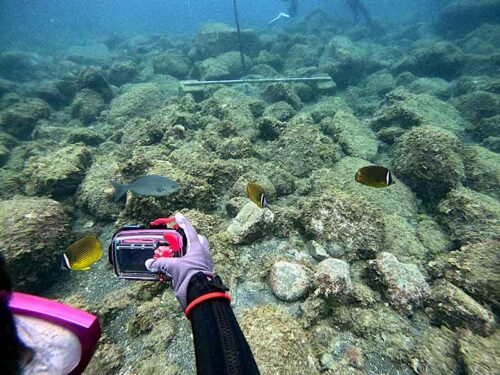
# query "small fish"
(82, 254)
(256, 194)
(151, 185)
(374, 176)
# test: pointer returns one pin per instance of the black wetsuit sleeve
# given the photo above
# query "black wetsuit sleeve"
(220, 346)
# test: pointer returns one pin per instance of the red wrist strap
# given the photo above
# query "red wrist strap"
(204, 298)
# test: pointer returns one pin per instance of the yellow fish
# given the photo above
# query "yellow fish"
(82, 254)
(374, 176)
(256, 194)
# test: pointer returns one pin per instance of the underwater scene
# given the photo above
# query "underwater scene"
(341, 157)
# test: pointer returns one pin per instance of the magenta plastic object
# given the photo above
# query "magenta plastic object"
(84, 325)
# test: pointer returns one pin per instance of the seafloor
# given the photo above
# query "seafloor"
(336, 277)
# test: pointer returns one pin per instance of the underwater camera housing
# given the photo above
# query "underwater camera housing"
(133, 244)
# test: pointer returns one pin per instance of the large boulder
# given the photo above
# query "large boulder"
(345, 61)
(435, 352)
(475, 268)
(480, 355)
(470, 216)
(289, 281)
(302, 147)
(453, 307)
(214, 39)
(354, 136)
(21, 119)
(332, 278)
(286, 338)
(87, 106)
(397, 199)
(362, 227)
(482, 170)
(405, 287)
(428, 160)
(405, 110)
(173, 64)
(138, 101)
(58, 173)
(462, 16)
(251, 223)
(34, 233)
(227, 65)
(433, 58)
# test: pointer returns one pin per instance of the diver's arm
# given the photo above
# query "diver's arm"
(220, 346)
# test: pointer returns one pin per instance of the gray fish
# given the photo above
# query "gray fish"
(151, 185)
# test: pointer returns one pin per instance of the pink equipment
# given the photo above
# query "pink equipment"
(84, 325)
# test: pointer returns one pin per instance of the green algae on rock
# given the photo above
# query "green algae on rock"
(290, 345)
(87, 106)
(405, 287)
(482, 168)
(451, 306)
(362, 234)
(475, 268)
(20, 119)
(34, 234)
(406, 110)
(429, 160)
(480, 354)
(289, 281)
(435, 352)
(354, 136)
(138, 101)
(470, 216)
(59, 173)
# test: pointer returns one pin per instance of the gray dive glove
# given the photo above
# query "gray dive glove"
(180, 270)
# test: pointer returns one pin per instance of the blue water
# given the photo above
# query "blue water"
(50, 22)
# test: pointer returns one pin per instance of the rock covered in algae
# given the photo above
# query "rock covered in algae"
(148, 315)
(397, 199)
(282, 92)
(138, 101)
(59, 173)
(405, 287)
(344, 60)
(354, 136)
(470, 216)
(402, 240)
(21, 118)
(477, 105)
(475, 268)
(428, 159)
(332, 278)
(432, 58)
(225, 66)
(299, 151)
(481, 355)
(278, 342)
(289, 281)
(107, 359)
(406, 110)
(435, 352)
(122, 72)
(93, 78)
(482, 170)
(348, 227)
(34, 233)
(174, 64)
(214, 39)
(453, 307)
(95, 192)
(462, 16)
(250, 224)
(87, 106)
